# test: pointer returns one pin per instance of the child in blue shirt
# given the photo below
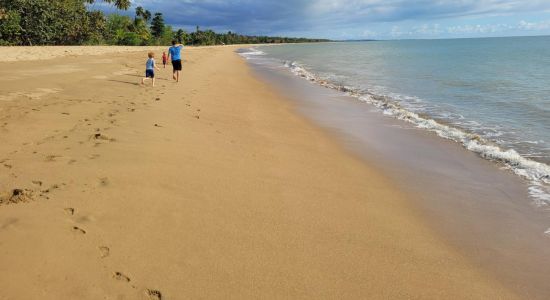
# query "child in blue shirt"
(150, 67)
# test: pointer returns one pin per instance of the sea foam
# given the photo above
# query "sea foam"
(536, 173)
(250, 53)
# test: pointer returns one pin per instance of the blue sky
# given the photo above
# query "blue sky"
(360, 19)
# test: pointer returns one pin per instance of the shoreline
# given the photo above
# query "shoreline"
(211, 188)
(479, 209)
(528, 168)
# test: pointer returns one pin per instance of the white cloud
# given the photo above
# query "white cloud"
(543, 25)
(427, 30)
(369, 34)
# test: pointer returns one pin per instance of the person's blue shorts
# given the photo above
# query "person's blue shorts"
(150, 73)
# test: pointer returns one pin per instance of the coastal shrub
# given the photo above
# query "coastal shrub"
(48, 22)
(181, 36)
(167, 36)
(10, 31)
(140, 28)
(116, 27)
(37, 20)
(131, 39)
(95, 29)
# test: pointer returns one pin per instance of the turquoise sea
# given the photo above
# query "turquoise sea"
(491, 95)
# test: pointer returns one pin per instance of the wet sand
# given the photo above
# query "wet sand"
(473, 204)
(211, 188)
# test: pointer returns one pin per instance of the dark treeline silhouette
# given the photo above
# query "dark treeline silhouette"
(72, 22)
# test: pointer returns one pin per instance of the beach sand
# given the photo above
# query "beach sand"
(212, 188)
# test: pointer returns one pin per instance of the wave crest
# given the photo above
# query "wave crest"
(537, 173)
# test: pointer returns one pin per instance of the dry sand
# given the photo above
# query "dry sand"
(48, 52)
(213, 188)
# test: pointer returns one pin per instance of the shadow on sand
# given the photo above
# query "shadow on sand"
(126, 82)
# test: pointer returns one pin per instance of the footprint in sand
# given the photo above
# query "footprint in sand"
(79, 230)
(104, 181)
(51, 158)
(154, 294)
(51, 188)
(5, 164)
(104, 251)
(16, 196)
(101, 136)
(69, 211)
(9, 223)
(121, 277)
(93, 156)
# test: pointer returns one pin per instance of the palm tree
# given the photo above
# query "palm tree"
(120, 4)
(147, 16)
(180, 36)
(157, 25)
(139, 12)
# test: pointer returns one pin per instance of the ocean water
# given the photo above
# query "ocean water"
(491, 95)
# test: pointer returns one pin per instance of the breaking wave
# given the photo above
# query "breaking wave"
(536, 173)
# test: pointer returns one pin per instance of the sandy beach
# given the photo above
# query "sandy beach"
(213, 188)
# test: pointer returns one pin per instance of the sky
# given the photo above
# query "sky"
(359, 19)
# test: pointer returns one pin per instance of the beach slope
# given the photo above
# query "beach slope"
(211, 188)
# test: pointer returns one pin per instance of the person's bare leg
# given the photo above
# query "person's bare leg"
(174, 75)
(153, 81)
(178, 76)
(143, 80)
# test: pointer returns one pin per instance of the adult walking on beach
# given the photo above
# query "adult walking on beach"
(175, 53)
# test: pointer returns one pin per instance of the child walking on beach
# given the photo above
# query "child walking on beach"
(164, 59)
(150, 67)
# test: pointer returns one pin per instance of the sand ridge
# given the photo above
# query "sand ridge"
(211, 188)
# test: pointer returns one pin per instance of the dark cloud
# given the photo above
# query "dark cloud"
(318, 16)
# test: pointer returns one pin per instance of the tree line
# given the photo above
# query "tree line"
(72, 22)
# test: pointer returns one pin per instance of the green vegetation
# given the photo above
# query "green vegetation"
(70, 22)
